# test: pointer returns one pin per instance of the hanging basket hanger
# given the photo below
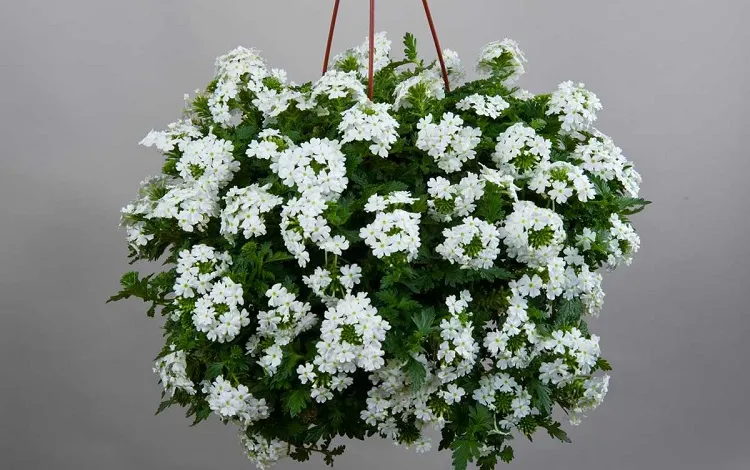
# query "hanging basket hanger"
(371, 61)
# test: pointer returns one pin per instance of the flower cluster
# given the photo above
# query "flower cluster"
(503, 59)
(287, 319)
(351, 337)
(394, 230)
(370, 122)
(244, 210)
(533, 235)
(448, 200)
(449, 142)
(575, 106)
(520, 150)
(317, 165)
(230, 402)
(473, 244)
(425, 261)
(172, 370)
(491, 106)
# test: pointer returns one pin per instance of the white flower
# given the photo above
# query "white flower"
(240, 69)
(177, 134)
(302, 221)
(473, 244)
(244, 210)
(450, 143)
(371, 122)
(351, 275)
(428, 81)
(235, 403)
(586, 239)
(269, 145)
(491, 106)
(623, 243)
(264, 453)
(533, 235)
(172, 370)
(337, 85)
(520, 150)
(505, 53)
(396, 231)
(351, 336)
(306, 373)
(602, 158)
(453, 394)
(316, 166)
(575, 106)
(560, 180)
(286, 319)
(361, 54)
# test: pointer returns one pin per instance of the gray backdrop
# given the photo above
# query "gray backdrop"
(81, 81)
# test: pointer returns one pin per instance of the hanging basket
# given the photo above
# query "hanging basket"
(389, 251)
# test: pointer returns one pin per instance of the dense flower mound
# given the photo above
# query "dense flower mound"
(418, 264)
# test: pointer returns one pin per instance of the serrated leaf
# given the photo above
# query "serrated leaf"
(424, 320)
(129, 279)
(214, 370)
(540, 397)
(464, 451)
(507, 454)
(297, 401)
(631, 205)
(603, 364)
(481, 419)
(417, 373)
(164, 405)
(556, 432)
(569, 312)
(410, 47)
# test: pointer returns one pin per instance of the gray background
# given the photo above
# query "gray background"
(81, 81)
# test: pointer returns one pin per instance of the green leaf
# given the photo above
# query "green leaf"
(603, 364)
(410, 47)
(540, 396)
(214, 370)
(487, 463)
(554, 430)
(297, 401)
(569, 312)
(300, 454)
(490, 207)
(631, 205)
(481, 419)
(417, 373)
(507, 454)
(424, 321)
(164, 405)
(464, 451)
(129, 280)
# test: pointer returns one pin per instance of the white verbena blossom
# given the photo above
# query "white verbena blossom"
(505, 50)
(393, 230)
(575, 106)
(474, 244)
(483, 105)
(519, 150)
(449, 142)
(318, 165)
(172, 370)
(371, 122)
(244, 210)
(532, 234)
(560, 181)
